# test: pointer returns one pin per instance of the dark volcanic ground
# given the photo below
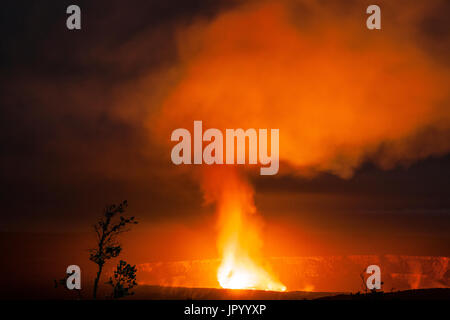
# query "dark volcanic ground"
(175, 293)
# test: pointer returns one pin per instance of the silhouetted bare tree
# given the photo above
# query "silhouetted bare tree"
(363, 278)
(123, 281)
(110, 225)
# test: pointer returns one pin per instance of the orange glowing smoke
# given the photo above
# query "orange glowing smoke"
(239, 241)
(339, 94)
(336, 91)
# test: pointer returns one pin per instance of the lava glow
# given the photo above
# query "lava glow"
(240, 272)
(239, 243)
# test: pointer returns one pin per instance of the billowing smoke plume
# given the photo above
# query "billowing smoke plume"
(339, 93)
